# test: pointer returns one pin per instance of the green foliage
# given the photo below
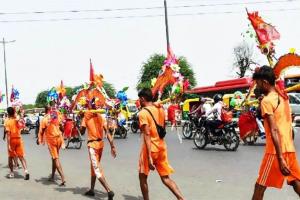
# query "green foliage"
(28, 106)
(110, 89)
(41, 99)
(152, 67)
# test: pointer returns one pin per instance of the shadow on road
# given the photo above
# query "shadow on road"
(45, 181)
(255, 144)
(16, 176)
(211, 149)
(129, 197)
(81, 191)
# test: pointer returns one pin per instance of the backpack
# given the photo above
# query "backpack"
(226, 116)
(160, 130)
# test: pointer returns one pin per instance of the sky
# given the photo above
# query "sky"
(46, 52)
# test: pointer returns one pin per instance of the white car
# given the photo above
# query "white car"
(294, 99)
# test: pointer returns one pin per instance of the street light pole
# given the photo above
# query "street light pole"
(167, 24)
(6, 42)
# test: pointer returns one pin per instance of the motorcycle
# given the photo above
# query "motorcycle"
(134, 126)
(190, 126)
(117, 127)
(225, 135)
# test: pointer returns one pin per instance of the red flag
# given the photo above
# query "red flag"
(91, 71)
(265, 32)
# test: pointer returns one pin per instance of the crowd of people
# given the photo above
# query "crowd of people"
(279, 162)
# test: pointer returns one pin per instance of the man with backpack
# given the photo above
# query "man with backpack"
(153, 153)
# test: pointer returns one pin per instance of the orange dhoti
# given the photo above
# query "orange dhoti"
(95, 157)
(160, 161)
(54, 145)
(16, 148)
(270, 174)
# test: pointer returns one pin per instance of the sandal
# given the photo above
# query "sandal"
(50, 179)
(26, 177)
(90, 193)
(10, 175)
(63, 184)
(111, 195)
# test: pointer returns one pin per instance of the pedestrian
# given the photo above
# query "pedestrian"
(153, 153)
(51, 130)
(12, 129)
(279, 162)
(96, 125)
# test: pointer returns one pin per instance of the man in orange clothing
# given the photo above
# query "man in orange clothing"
(50, 129)
(14, 142)
(96, 125)
(279, 162)
(153, 154)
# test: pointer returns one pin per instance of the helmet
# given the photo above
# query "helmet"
(217, 98)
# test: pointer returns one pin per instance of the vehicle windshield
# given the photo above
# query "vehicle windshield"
(297, 95)
(132, 108)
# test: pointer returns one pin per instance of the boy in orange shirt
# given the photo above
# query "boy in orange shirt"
(154, 149)
(96, 125)
(279, 162)
(50, 129)
(14, 142)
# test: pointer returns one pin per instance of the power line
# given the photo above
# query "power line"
(145, 8)
(140, 16)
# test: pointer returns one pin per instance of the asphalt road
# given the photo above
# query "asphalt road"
(207, 174)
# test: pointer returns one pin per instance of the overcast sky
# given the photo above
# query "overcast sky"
(46, 52)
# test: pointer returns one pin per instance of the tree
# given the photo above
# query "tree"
(110, 89)
(151, 68)
(28, 106)
(243, 60)
(41, 99)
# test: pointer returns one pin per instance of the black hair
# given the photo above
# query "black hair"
(265, 73)
(10, 111)
(146, 93)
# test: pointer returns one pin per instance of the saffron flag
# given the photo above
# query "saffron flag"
(265, 32)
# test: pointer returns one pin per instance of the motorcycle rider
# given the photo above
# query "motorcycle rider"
(216, 111)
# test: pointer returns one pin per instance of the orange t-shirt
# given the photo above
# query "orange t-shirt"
(145, 118)
(283, 120)
(11, 126)
(51, 128)
(94, 123)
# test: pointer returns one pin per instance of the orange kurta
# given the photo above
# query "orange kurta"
(158, 145)
(269, 173)
(14, 136)
(52, 133)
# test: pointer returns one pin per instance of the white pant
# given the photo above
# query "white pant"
(260, 125)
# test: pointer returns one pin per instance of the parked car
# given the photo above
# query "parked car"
(30, 120)
(294, 99)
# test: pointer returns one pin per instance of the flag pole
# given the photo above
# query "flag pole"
(167, 24)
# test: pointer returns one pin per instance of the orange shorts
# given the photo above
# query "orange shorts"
(270, 174)
(160, 161)
(95, 157)
(16, 148)
(54, 146)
